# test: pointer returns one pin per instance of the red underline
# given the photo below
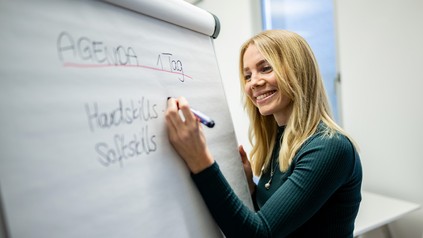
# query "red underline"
(76, 65)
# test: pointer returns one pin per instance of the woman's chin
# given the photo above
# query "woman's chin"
(264, 112)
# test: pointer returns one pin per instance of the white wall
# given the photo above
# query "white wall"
(240, 19)
(380, 61)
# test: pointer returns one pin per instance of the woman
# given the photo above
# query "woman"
(310, 173)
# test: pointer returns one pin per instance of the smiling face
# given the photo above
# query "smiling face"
(261, 86)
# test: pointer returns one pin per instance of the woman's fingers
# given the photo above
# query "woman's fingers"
(186, 111)
(182, 130)
(186, 136)
(247, 168)
(243, 154)
(172, 115)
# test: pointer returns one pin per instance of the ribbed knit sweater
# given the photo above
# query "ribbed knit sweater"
(318, 196)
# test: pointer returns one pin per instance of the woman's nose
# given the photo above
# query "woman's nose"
(257, 81)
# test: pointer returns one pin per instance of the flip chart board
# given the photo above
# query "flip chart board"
(84, 149)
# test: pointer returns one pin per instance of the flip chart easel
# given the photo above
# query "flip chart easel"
(84, 150)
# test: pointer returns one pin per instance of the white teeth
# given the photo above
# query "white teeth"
(264, 95)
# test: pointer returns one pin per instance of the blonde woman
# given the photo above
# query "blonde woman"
(310, 172)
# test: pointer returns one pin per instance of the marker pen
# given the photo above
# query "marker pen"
(207, 121)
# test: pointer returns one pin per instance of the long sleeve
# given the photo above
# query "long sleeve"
(322, 186)
(234, 218)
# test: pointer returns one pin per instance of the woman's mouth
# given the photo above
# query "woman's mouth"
(266, 95)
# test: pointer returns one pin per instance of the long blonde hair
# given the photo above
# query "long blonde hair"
(298, 78)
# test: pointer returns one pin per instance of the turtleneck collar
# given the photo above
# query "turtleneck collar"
(281, 129)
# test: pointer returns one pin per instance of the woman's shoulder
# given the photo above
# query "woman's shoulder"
(325, 134)
(329, 142)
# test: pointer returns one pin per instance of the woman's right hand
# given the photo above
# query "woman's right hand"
(247, 169)
(186, 136)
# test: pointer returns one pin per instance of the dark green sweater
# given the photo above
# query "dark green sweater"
(318, 196)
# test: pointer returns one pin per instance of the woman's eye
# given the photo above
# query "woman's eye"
(266, 69)
(247, 77)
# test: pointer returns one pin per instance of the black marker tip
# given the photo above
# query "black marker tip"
(210, 124)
